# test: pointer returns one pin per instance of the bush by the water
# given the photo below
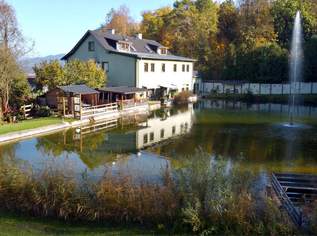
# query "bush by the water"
(205, 197)
(41, 111)
(182, 97)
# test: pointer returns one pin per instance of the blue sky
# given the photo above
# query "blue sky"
(56, 25)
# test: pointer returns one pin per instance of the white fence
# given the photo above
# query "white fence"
(93, 111)
(207, 87)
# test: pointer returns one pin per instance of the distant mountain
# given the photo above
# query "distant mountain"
(29, 63)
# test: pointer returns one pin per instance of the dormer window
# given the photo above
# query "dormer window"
(162, 50)
(123, 46)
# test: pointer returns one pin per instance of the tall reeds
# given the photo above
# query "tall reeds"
(205, 197)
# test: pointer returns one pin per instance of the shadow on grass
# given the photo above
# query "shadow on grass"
(15, 224)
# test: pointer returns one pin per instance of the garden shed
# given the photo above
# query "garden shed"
(65, 98)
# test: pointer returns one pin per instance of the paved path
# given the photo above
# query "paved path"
(33, 132)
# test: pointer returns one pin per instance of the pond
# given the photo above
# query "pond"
(251, 135)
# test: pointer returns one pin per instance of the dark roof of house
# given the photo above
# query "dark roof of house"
(78, 89)
(123, 90)
(141, 48)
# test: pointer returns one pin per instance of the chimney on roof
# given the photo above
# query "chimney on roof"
(111, 31)
(139, 36)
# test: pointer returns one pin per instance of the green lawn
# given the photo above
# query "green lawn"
(13, 225)
(29, 124)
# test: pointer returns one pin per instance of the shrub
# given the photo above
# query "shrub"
(182, 97)
(41, 111)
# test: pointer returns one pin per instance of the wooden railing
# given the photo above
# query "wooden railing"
(26, 110)
(88, 112)
(92, 111)
(293, 212)
(132, 103)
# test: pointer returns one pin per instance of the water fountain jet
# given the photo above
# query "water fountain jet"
(296, 62)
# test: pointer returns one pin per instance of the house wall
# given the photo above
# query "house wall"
(122, 69)
(169, 78)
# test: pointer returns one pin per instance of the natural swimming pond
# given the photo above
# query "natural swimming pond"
(251, 135)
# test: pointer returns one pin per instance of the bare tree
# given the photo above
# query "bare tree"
(12, 46)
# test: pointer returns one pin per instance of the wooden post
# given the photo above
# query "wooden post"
(23, 108)
(64, 109)
(122, 101)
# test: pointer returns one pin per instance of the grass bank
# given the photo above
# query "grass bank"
(307, 99)
(29, 124)
(17, 225)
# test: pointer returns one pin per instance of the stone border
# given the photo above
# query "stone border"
(19, 135)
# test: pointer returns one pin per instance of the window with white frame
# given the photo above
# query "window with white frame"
(162, 51)
(152, 67)
(146, 67)
(123, 46)
(187, 68)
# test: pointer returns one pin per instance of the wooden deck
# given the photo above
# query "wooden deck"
(294, 191)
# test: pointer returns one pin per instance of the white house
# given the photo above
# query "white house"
(135, 62)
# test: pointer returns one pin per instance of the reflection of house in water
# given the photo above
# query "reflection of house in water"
(257, 107)
(110, 140)
(158, 129)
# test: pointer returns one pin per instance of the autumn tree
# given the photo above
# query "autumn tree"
(257, 28)
(154, 25)
(121, 21)
(228, 22)
(284, 12)
(12, 46)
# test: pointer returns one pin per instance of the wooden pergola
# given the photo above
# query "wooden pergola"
(121, 94)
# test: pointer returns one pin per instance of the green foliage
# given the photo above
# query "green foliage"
(49, 74)
(41, 111)
(267, 64)
(52, 74)
(310, 65)
(284, 12)
(79, 72)
(14, 88)
(20, 91)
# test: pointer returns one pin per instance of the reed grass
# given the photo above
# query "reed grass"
(205, 197)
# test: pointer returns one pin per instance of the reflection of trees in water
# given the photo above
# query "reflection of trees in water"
(90, 148)
(59, 143)
(8, 157)
(251, 144)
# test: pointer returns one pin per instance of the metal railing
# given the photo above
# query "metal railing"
(294, 213)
